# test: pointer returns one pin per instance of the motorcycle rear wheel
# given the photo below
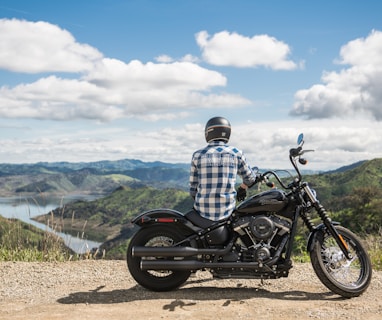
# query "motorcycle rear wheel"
(348, 278)
(160, 280)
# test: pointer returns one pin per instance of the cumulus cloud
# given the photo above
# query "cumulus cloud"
(82, 84)
(32, 47)
(164, 59)
(232, 49)
(136, 75)
(354, 90)
(341, 143)
(167, 59)
(105, 88)
(57, 99)
(114, 89)
(265, 144)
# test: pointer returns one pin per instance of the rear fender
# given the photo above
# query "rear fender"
(164, 216)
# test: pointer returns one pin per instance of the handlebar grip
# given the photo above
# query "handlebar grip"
(303, 161)
(267, 182)
(270, 184)
(294, 152)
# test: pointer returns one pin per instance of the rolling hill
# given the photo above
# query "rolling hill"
(352, 194)
(109, 217)
(100, 178)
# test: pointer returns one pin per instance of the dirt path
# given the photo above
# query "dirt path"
(105, 290)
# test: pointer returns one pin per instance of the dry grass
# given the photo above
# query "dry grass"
(20, 241)
(374, 247)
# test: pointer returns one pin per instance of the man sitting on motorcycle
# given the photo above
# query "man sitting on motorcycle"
(213, 173)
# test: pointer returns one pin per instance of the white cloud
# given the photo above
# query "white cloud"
(34, 47)
(232, 49)
(172, 89)
(115, 89)
(106, 88)
(164, 59)
(190, 58)
(137, 76)
(266, 145)
(336, 142)
(353, 91)
(167, 59)
(154, 117)
(57, 99)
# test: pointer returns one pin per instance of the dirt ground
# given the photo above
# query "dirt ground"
(105, 290)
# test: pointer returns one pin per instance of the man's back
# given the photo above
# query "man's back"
(213, 178)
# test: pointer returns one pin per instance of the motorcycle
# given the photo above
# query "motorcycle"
(255, 242)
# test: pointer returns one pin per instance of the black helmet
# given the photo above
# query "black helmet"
(218, 128)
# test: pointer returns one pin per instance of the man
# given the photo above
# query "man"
(214, 170)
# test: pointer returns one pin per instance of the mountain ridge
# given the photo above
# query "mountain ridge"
(99, 177)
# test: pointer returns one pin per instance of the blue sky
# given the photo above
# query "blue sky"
(106, 80)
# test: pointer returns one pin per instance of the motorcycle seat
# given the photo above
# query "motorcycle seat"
(217, 236)
(198, 220)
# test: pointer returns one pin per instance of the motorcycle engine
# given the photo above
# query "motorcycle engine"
(260, 235)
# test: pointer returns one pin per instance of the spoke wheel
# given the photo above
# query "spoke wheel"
(346, 277)
(158, 280)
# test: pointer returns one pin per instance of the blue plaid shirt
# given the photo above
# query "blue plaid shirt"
(213, 177)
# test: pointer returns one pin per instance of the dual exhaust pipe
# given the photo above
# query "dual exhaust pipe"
(184, 264)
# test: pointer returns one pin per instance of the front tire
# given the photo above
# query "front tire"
(163, 280)
(348, 278)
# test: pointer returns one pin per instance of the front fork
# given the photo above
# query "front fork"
(326, 221)
(333, 231)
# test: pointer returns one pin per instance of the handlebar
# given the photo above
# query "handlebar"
(271, 184)
(294, 155)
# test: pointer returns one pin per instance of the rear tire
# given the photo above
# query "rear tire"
(163, 280)
(348, 278)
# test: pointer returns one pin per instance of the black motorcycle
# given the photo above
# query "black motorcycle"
(255, 242)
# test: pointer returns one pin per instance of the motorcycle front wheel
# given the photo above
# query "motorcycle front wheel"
(158, 280)
(346, 277)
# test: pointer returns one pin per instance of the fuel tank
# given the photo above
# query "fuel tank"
(267, 201)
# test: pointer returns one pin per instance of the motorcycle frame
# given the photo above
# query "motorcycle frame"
(195, 233)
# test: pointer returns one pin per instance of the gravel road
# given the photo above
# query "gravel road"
(101, 289)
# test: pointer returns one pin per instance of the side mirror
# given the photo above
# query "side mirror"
(300, 139)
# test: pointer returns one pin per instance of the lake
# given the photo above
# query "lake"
(25, 209)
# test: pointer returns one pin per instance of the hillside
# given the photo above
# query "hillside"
(100, 178)
(102, 167)
(338, 184)
(352, 196)
(23, 241)
(108, 219)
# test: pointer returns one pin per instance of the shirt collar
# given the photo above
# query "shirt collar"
(217, 143)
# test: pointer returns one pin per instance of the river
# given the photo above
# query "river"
(25, 209)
